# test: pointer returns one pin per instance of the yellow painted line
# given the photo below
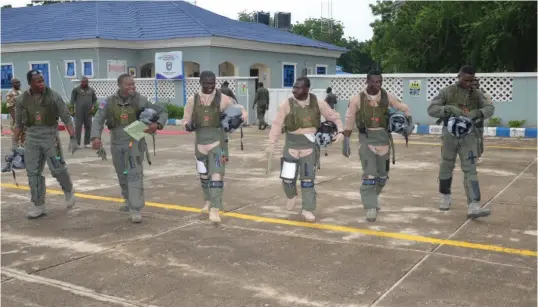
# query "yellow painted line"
(487, 146)
(346, 229)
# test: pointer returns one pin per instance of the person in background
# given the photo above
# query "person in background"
(11, 97)
(83, 99)
(262, 100)
(331, 98)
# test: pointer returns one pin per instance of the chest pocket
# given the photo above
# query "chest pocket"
(124, 115)
(303, 117)
(465, 100)
(369, 116)
(38, 111)
(207, 116)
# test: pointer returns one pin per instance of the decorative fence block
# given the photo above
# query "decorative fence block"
(193, 85)
(146, 87)
(347, 87)
(498, 85)
(500, 88)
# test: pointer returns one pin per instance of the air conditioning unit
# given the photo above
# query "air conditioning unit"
(262, 17)
(282, 21)
(307, 71)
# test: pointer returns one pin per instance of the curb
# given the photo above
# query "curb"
(488, 131)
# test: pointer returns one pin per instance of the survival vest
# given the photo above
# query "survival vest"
(207, 116)
(373, 117)
(40, 114)
(119, 114)
(299, 117)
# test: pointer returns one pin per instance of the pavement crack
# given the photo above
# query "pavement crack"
(75, 289)
(486, 204)
(112, 248)
(436, 248)
(69, 261)
(400, 280)
(7, 279)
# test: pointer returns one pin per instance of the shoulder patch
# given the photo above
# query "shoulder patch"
(103, 103)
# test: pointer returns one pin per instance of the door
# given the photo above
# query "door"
(255, 73)
(44, 69)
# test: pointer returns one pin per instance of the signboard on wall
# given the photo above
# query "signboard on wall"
(243, 88)
(414, 88)
(115, 68)
(169, 65)
(132, 71)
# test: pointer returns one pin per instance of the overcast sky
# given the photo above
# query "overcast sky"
(355, 14)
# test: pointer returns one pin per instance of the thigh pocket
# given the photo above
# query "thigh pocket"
(288, 169)
(201, 166)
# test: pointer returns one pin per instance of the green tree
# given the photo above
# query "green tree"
(356, 60)
(322, 29)
(251, 17)
(7, 6)
(444, 35)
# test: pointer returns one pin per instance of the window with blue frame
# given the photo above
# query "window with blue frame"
(321, 70)
(288, 75)
(87, 68)
(7, 75)
(70, 69)
(44, 69)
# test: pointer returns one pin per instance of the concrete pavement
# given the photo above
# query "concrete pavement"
(263, 255)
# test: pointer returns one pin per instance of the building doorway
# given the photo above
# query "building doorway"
(254, 72)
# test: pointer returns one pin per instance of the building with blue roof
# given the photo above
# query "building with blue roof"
(104, 39)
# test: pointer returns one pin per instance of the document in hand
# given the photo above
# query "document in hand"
(136, 130)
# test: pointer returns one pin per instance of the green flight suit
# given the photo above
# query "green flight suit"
(298, 118)
(262, 101)
(83, 101)
(375, 167)
(127, 154)
(474, 105)
(480, 129)
(331, 100)
(480, 141)
(39, 114)
(208, 131)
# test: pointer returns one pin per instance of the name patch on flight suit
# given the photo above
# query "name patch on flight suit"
(38, 118)
(103, 103)
(124, 118)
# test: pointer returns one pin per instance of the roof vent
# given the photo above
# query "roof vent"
(262, 17)
(283, 21)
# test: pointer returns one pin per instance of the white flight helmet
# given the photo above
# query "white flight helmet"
(459, 126)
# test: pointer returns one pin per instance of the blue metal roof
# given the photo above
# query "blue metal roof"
(134, 21)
